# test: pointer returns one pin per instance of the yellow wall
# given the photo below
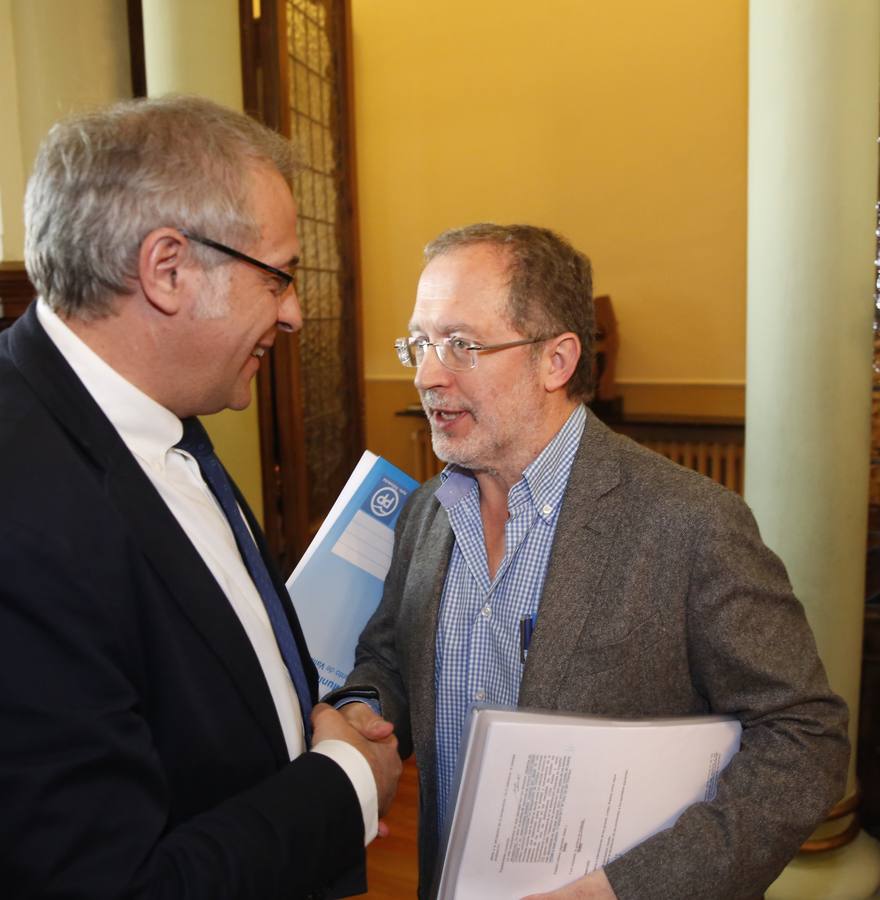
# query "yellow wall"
(622, 125)
(11, 165)
(55, 58)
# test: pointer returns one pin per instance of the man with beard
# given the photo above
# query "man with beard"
(647, 586)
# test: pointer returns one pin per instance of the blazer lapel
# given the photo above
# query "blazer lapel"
(584, 537)
(424, 588)
(154, 528)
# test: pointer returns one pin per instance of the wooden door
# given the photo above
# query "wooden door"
(295, 57)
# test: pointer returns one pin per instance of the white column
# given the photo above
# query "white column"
(813, 122)
(193, 47)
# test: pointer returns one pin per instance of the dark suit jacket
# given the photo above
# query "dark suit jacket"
(660, 600)
(140, 750)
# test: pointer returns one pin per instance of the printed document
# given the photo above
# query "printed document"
(545, 798)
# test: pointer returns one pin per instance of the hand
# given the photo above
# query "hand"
(373, 727)
(364, 720)
(594, 886)
(381, 754)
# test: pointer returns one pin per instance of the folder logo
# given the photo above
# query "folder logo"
(384, 501)
(368, 539)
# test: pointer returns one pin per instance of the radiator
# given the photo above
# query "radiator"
(721, 462)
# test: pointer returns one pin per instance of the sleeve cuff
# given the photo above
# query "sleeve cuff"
(373, 704)
(358, 770)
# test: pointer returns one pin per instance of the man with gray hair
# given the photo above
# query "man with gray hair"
(158, 728)
(557, 565)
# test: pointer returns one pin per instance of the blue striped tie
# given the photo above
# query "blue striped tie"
(196, 442)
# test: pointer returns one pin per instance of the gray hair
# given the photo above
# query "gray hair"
(104, 180)
(550, 286)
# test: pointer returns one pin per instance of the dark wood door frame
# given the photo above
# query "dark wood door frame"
(289, 522)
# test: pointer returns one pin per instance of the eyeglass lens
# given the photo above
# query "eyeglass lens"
(451, 352)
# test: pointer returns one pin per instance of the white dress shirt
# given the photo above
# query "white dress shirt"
(150, 432)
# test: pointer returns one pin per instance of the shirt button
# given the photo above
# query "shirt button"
(547, 509)
(486, 611)
(479, 695)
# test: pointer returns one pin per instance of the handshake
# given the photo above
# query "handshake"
(373, 736)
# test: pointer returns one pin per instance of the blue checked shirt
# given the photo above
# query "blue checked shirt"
(478, 633)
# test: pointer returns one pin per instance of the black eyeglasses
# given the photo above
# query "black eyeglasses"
(285, 278)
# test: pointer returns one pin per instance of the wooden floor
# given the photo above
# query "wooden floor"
(392, 864)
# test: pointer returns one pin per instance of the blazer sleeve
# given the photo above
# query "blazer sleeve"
(752, 655)
(87, 811)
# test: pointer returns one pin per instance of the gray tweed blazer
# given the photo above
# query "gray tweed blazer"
(660, 600)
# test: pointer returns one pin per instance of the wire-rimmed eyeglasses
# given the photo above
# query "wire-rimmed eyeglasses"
(285, 279)
(457, 354)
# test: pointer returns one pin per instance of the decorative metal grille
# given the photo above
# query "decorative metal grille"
(328, 366)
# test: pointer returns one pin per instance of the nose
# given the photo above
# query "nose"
(289, 312)
(432, 373)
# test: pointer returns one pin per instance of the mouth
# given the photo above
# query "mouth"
(442, 418)
(441, 415)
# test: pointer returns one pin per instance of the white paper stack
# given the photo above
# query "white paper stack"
(545, 798)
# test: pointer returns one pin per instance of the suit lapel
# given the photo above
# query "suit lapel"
(178, 564)
(153, 527)
(584, 536)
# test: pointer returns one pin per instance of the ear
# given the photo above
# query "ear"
(561, 355)
(161, 270)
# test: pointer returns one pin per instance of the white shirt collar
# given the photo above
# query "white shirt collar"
(148, 429)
